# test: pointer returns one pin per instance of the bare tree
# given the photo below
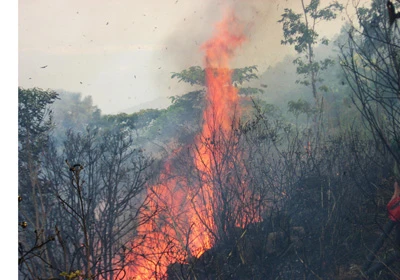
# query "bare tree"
(103, 192)
(92, 205)
(371, 61)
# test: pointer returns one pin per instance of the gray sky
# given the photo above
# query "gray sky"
(122, 52)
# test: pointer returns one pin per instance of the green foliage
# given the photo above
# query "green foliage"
(246, 74)
(181, 118)
(299, 29)
(138, 120)
(327, 62)
(189, 100)
(193, 76)
(34, 126)
(34, 122)
(315, 180)
(305, 68)
(34, 116)
(72, 275)
(300, 107)
(250, 91)
(295, 32)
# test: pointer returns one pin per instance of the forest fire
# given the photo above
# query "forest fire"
(287, 117)
(184, 223)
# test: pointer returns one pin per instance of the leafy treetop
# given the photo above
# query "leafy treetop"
(195, 75)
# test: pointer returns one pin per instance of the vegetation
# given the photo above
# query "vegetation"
(299, 188)
(300, 30)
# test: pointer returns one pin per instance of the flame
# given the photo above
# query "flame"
(184, 224)
(221, 94)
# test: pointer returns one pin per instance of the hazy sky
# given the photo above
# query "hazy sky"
(122, 52)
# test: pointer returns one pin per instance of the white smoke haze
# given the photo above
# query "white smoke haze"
(123, 53)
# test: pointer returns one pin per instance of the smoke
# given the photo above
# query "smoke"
(259, 18)
(183, 45)
(262, 30)
(262, 46)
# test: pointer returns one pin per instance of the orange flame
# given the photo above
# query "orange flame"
(221, 94)
(184, 224)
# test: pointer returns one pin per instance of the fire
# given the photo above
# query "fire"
(184, 224)
(221, 94)
(221, 113)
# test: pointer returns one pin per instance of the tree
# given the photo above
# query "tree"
(78, 218)
(195, 75)
(300, 30)
(134, 121)
(34, 126)
(97, 198)
(371, 60)
(73, 111)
